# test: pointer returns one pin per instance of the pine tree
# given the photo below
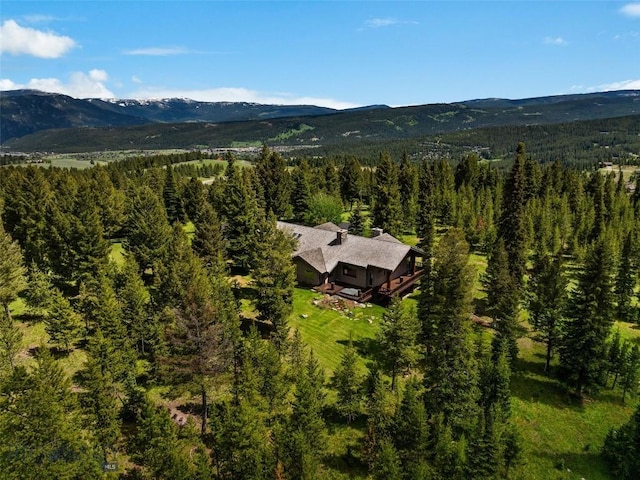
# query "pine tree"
(271, 170)
(40, 425)
(450, 376)
(174, 274)
(208, 241)
(10, 344)
(351, 181)
(621, 448)
(426, 219)
(591, 310)
(110, 201)
(379, 417)
(547, 299)
(387, 212)
(356, 220)
(242, 449)
(89, 248)
(62, 323)
(171, 197)
(156, 444)
(596, 190)
(411, 429)
(630, 371)
(625, 281)
(200, 350)
(301, 442)
(408, 186)
(274, 278)
(512, 226)
(240, 211)
(38, 293)
(347, 382)
(397, 338)
(12, 271)
(616, 356)
(387, 465)
(102, 311)
(330, 180)
(301, 191)
(101, 397)
(444, 193)
(467, 171)
(135, 305)
(148, 230)
(502, 299)
(28, 197)
(194, 198)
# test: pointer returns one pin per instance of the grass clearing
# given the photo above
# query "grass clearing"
(561, 437)
(327, 331)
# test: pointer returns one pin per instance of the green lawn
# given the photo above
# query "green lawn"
(327, 331)
(558, 432)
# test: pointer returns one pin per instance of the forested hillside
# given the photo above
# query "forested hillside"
(151, 326)
(414, 129)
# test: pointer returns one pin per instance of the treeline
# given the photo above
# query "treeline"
(580, 145)
(169, 315)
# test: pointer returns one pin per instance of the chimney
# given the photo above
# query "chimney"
(341, 236)
(376, 232)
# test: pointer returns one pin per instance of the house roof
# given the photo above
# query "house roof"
(318, 247)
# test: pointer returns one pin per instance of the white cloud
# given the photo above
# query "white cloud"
(6, 84)
(135, 79)
(607, 87)
(79, 85)
(558, 41)
(232, 94)
(38, 18)
(623, 85)
(98, 75)
(387, 22)
(627, 35)
(18, 40)
(157, 51)
(631, 10)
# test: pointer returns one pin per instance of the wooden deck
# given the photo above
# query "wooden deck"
(400, 285)
(397, 286)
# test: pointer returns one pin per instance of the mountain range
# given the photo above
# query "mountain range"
(33, 120)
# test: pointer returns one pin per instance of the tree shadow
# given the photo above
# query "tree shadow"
(244, 292)
(367, 348)
(346, 460)
(348, 463)
(531, 384)
(30, 318)
(264, 329)
(572, 465)
(480, 307)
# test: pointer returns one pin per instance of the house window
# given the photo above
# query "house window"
(349, 271)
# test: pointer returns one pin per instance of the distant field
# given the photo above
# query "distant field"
(626, 170)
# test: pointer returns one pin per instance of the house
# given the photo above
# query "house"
(358, 268)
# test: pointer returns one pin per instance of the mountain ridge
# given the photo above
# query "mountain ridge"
(173, 123)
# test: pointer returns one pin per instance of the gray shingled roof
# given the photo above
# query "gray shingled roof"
(317, 247)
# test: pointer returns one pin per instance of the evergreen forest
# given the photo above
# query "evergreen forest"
(151, 326)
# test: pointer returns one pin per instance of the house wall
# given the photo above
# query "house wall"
(403, 268)
(377, 276)
(350, 275)
(307, 275)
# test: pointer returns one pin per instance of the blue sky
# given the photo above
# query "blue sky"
(333, 53)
